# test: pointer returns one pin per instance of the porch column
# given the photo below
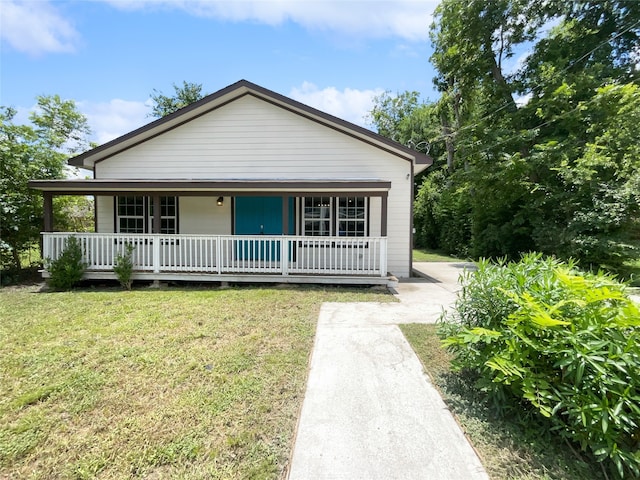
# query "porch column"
(383, 216)
(285, 214)
(48, 211)
(157, 220)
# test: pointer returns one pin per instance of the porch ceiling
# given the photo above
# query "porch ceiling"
(236, 187)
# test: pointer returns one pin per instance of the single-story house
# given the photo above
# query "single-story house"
(246, 185)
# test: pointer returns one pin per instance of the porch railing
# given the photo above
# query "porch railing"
(230, 254)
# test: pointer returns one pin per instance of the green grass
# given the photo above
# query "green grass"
(507, 450)
(426, 255)
(175, 383)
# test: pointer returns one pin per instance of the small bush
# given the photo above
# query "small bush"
(555, 344)
(123, 267)
(68, 268)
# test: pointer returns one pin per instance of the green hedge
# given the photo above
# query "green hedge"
(546, 339)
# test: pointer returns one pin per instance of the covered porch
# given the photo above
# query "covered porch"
(231, 258)
(273, 232)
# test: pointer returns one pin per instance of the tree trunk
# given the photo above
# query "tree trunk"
(446, 131)
(16, 258)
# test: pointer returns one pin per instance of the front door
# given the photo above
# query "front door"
(260, 216)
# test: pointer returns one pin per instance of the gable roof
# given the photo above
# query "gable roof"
(228, 94)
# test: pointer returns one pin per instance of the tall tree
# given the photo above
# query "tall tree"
(184, 95)
(38, 150)
(517, 140)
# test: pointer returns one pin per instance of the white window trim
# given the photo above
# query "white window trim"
(334, 215)
(364, 220)
(119, 217)
(146, 217)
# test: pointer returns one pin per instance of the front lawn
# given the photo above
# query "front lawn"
(427, 255)
(176, 383)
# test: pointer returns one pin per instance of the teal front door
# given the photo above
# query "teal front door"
(260, 216)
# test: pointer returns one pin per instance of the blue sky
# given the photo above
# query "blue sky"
(109, 55)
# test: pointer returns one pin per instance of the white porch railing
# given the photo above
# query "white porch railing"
(230, 254)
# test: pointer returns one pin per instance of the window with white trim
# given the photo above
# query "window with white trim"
(168, 215)
(323, 216)
(130, 214)
(134, 214)
(316, 216)
(352, 216)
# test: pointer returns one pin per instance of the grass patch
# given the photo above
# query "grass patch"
(506, 448)
(175, 383)
(426, 255)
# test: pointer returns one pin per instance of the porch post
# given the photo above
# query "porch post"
(157, 220)
(48, 211)
(383, 216)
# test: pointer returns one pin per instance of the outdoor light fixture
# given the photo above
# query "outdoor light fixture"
(220, 201)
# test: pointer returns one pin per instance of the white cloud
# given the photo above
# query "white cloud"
(35, 28)
(350, 104)
(109, 120)
(407, 19)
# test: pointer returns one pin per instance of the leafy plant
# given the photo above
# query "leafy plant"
(550, 342)
(123, 267)
(68, 268)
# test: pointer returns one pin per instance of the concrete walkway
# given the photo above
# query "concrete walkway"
(370, 412)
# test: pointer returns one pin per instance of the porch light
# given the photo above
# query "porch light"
(220, 201)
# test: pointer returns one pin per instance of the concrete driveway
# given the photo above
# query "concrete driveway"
(370, 412)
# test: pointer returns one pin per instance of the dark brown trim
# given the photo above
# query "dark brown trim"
(88, 187)
(157, 214)
(48, 211)
(226, 194)
(238, 90)
(384, 217)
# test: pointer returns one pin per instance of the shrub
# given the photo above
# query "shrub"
(123, 267)
(544, 339)
(68, 268)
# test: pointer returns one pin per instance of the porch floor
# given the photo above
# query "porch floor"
(389, 281)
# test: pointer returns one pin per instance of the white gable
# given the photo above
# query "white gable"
(251, 138)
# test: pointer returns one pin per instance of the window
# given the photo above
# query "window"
(352, 216)
(322, 216)
(168, 215)
(134, 214)
(130, 215)
(316, 220)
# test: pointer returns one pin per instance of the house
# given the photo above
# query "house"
(246, 185)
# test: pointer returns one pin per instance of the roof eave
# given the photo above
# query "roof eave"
(88, 159)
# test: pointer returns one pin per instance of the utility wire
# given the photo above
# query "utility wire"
(571, 65)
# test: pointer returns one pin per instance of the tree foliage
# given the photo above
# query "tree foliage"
(184, 95)
(535, 154)
(35, 151)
